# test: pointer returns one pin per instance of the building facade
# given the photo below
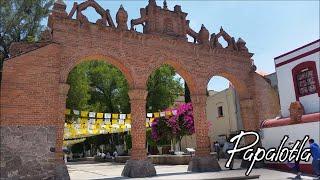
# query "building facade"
(298, 82)
(298, 78)
(273, 80)
(223, 115)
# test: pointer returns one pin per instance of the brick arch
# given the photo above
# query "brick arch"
(179, 69)
(240, 85)
(110, 60)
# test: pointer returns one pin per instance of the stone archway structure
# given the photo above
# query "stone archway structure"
(34, 88)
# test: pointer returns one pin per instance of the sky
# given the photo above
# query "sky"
(270, 28)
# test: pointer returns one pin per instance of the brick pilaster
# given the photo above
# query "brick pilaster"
(200, 122)
(138, 129)
(63, 91)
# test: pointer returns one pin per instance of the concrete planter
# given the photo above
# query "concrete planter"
(160, 149)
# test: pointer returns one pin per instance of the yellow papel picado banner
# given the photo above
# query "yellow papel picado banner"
(80, 124)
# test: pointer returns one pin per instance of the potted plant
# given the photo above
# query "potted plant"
(161, 143)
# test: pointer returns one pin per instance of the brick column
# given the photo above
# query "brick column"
(138, 166)
(250, 123)
(249, 118)
(248, 114)
(138, 128)
(200, 122)
(63, 91)
(203, 161)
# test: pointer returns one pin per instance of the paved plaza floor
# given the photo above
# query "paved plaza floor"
(93, 170)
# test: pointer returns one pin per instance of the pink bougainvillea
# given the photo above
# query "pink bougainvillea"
(176, 126)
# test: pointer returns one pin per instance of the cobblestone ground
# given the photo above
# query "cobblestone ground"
(92, 170)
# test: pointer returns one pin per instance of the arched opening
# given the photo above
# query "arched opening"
(223, 42)
(169, 118)
(91, 14)
(97, 116)
(222, 110)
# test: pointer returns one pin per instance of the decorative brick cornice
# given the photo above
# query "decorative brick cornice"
(59, 9)
(151, 40)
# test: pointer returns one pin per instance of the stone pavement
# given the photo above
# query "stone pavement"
(93, 170)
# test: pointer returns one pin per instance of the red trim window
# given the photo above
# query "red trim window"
(305, 79)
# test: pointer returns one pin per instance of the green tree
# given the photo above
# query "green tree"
(79, 92)
(98, 86)
(163, 88)
(20, 20)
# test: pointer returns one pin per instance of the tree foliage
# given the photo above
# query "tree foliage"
(164, 87)
(98, 86)
(20, 20)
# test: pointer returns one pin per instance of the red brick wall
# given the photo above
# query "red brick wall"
(29, 93)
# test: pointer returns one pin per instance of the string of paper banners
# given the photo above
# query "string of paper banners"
(92, 123)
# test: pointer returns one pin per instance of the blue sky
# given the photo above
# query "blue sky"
(270, 28)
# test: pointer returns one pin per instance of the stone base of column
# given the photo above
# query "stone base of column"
(138, 169)
(204, 164)
(61, 172)
(246, 164)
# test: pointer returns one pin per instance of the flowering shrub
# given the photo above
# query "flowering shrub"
(160, 131)
(176, 126)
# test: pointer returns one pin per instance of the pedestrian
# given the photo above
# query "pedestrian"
(103, 155)
(227, 146)
(315, 153)
(296, 166)
(217, 149)
(108, 156)
(115, 154)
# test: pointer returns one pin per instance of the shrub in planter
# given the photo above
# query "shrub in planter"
(175, 127)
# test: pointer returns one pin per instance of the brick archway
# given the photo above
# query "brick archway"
(34, 89)
(78, 60)
(239, 84)
(179, 68)
(64, 88)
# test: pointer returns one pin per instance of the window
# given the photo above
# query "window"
(305, 79)
(220, 111)
(306, 82)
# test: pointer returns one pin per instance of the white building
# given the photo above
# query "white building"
(223, 114)
(298, 80)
